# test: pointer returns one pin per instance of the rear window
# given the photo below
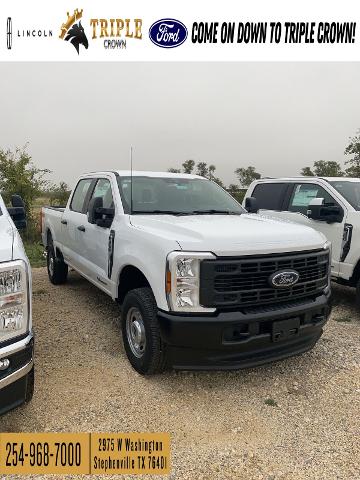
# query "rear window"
(270, 196)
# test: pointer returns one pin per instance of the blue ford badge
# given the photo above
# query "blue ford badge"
(283, 279)
(168, 33)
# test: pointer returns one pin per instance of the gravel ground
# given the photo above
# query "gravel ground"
(295, 419)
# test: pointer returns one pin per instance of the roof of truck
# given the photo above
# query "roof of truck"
(327, 179)
(145, 173)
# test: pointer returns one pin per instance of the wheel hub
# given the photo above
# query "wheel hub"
(51, 265)
(135, 331)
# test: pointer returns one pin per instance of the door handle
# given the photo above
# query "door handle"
(64, 222)
(81, 228)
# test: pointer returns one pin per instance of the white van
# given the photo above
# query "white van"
(16, 336)
(329, 205)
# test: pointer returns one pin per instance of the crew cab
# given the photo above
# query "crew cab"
(330, 205)
(202, 284)
(16, 336)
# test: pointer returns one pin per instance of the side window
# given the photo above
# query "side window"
(304, 193)
(82, 188)
(103, 190)
(270, 196)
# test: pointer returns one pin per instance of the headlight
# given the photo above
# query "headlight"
(182, 283)
(14, 300)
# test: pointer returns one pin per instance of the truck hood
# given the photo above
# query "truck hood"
(230, 235)
(6, 239)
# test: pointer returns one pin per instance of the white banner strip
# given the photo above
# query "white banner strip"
(266, 30)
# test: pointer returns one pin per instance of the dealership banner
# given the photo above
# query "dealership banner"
(91, 30)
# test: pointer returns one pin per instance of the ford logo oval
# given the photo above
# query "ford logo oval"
(168, 33)
(284, 279)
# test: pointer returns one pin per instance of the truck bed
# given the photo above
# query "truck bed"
(55, 207)
(51, 222)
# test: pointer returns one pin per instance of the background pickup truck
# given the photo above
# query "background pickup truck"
(330, 205)
(16, 337)
(202, 283)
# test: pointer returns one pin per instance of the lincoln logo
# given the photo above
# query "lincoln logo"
(284, 279)
(9, 33)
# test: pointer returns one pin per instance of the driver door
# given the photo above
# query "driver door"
(96, 240)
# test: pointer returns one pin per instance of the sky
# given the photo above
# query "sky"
(84, 117)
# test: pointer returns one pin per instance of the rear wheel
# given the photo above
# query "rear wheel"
(56, 267)
(141, 334)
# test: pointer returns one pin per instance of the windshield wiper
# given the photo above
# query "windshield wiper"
(158, 212)
(213, 212)
(191, 212)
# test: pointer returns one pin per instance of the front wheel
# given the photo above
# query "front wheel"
(358, 294)
(141, 334)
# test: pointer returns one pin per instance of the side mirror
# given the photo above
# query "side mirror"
(95, 203)
(97, 215)
(251, 205)
(325, 213)
(17, 212)
(17, 201)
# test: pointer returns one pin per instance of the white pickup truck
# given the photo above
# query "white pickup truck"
(330, 205)
(202, 284)
(16, 336)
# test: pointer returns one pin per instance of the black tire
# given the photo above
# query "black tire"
(56, 267)
(151, 359)
(357, 298)
(30, 385)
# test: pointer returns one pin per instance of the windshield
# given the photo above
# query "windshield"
(176, 196)
(350, 191)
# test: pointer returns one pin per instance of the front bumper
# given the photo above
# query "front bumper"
(233, 340)
(14, 380)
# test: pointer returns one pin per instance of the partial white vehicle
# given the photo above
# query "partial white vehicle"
(16, 335)
(202, 284)
(330, 205)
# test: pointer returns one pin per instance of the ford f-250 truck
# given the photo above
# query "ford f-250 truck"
(202, 284)
(16, 336)
(330, 205)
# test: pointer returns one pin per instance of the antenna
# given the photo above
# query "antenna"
(131, 176)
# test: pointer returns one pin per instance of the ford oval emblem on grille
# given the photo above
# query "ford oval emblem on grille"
(284, 279)
(168, 33)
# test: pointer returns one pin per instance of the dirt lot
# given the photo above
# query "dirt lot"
(296, 419)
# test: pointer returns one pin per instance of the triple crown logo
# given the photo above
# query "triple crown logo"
(74, 31)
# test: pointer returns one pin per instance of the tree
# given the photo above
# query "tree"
(354, 163)
(59, 194)
(18, 175)
(323, 168)
(188, 166)
(306, 172)
(236, 192)
(247, 175)
(212, 169)
(202, 169)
